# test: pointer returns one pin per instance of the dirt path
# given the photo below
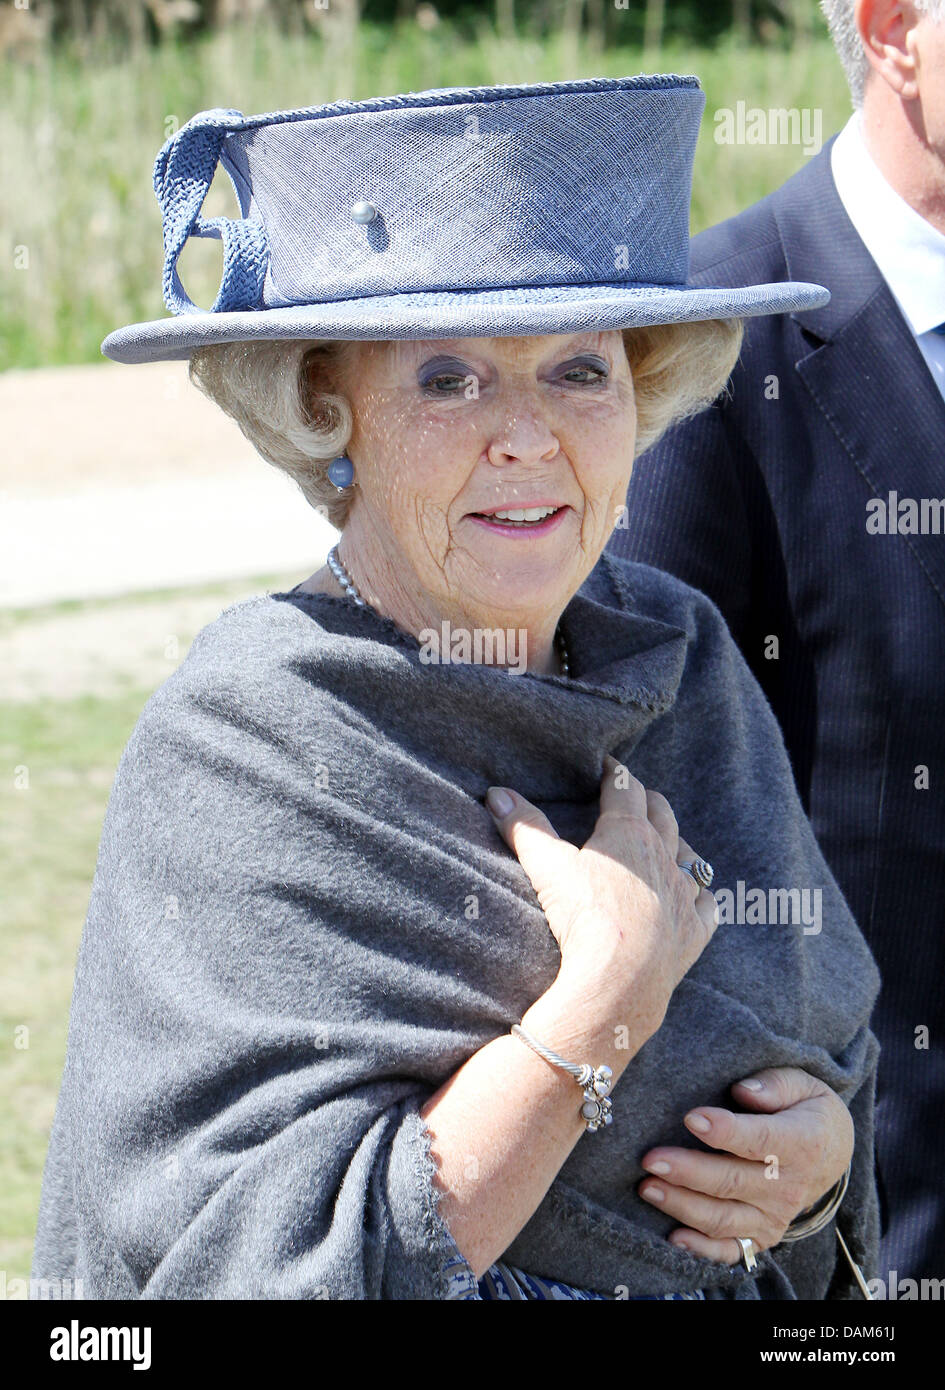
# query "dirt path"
(117, 479)
(124, 484)
(108, 424)
(113, 646)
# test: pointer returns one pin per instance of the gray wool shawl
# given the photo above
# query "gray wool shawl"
(303, 921)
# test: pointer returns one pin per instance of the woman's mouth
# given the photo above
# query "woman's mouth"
(519, 521)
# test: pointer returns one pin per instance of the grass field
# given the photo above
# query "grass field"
(80, 239)
(59, 757)
(48, 842)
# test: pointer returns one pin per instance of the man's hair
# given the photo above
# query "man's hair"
(841, 21)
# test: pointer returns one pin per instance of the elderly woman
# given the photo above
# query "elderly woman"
(398, 857)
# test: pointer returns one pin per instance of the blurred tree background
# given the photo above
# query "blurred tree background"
(122, 24)
(91, 89)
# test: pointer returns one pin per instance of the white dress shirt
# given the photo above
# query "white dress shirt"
(908, 250)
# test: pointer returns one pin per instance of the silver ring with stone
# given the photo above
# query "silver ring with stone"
(700, 871)
(747, 1247)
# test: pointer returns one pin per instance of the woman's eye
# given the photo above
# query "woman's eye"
(444, 377)
(582, 373)
(444, 383)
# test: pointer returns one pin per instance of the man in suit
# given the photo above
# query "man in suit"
(809, 503)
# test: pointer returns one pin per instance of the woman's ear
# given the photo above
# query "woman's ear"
(318, 370)
(320, 374)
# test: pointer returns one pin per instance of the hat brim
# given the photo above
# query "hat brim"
(498, 313)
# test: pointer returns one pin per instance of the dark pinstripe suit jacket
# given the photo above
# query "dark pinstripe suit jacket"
(761, 501)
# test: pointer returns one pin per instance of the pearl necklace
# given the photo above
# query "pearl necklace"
(354, 593)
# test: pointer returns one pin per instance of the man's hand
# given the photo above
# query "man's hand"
(768, 1167)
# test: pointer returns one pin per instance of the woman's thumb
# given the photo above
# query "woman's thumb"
(530, 835)
(777, 1088)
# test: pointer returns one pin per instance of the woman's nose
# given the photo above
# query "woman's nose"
(522, 437)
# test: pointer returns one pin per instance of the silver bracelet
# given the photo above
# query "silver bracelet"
(810, 1223)
(595, 1082)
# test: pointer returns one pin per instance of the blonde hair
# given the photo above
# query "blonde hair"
(271, 390)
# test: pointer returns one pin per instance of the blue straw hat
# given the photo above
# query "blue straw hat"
(463, 212)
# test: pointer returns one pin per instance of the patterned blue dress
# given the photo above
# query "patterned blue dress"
(506, 1283)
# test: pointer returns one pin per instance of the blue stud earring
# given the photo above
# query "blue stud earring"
(341, 472)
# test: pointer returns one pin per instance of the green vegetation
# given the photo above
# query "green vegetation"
(59, 757)
(80, 242)
(49, 832)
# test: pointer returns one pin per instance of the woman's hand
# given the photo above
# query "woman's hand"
(769, 1166)
(629, 924)
(628, 921)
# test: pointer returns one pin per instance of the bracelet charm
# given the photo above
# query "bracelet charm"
(595, 1082)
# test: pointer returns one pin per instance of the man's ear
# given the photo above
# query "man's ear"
(888, 31)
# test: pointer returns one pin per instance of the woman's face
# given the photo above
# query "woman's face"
(450, 434)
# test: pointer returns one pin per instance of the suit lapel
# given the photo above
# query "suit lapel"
(865, 371)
